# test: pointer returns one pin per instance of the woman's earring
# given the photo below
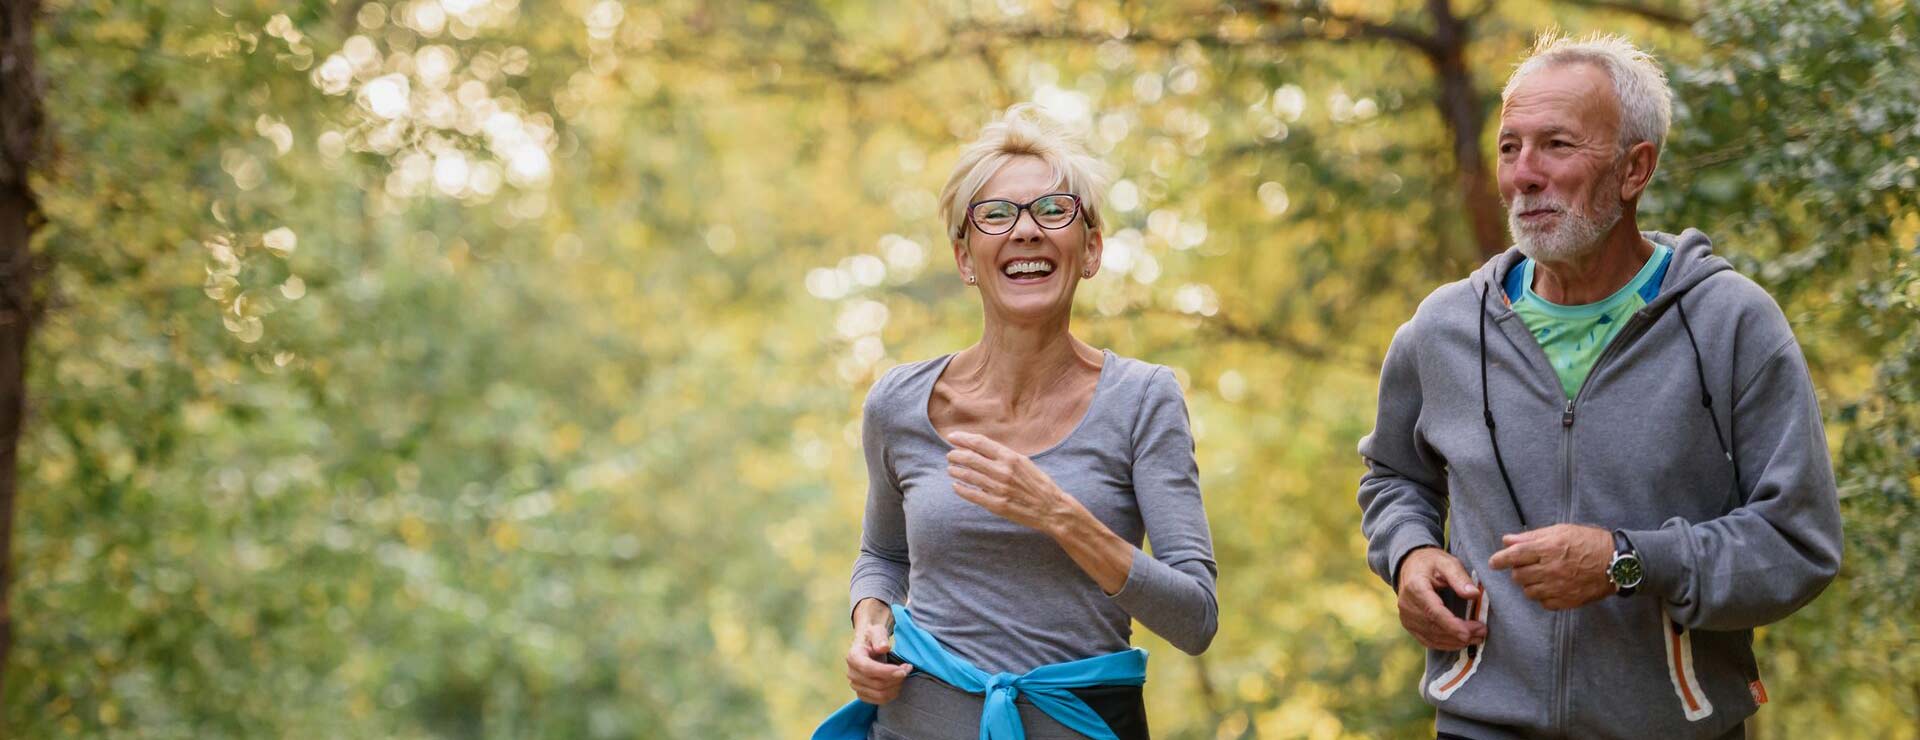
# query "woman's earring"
(969, 279)
(1086, 273)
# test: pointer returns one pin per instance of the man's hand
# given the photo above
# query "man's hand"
(1425, 616)
(874, 680)
(1560, 567)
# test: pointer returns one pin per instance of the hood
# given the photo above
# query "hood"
(1693, 261)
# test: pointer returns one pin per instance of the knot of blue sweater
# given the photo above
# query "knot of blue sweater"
(1047, 687)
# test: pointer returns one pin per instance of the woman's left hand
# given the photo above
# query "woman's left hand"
(1006, 483)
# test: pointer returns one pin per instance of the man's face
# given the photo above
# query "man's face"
(1559, 161)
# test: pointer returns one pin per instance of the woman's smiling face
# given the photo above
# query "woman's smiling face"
(1030, 272)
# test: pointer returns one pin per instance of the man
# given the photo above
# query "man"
(1598, 463)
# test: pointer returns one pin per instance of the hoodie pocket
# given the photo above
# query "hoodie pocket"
(1466, 661)
(1680, 668)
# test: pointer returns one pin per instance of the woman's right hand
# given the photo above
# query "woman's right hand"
(874, 680)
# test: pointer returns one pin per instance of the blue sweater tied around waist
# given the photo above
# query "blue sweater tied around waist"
(1046, 686)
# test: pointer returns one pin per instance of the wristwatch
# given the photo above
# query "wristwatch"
(1624, 571)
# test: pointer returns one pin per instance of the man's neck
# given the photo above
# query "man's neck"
(1597, 274)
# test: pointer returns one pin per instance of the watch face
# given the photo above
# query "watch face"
(1625, 571)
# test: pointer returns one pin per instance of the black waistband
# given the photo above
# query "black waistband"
(1124, 708)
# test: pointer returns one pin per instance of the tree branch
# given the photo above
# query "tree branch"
(1663, 16)
(1330, 25)
(1286, 37)
(1313, 23)
(1739, 150)
(1221, 327)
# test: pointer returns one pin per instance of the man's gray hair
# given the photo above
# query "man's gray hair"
(1646, 103)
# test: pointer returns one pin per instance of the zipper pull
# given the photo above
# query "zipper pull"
(1566, 418)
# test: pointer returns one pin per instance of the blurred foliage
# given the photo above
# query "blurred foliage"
(458, 368)
(1798, 135)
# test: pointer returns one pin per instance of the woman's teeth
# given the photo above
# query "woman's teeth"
(1028, 268)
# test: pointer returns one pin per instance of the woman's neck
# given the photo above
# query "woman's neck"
(1019, 365)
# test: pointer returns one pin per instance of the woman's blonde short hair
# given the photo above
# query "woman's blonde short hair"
(1024, 131)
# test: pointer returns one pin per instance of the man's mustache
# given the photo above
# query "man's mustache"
(1522, 204)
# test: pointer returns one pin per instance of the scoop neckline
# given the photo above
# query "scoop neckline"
(1099, 389)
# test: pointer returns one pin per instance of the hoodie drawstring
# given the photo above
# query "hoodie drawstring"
(1700, 372)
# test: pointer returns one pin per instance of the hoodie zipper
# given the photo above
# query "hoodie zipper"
(1676, 284)
(1561, 636)
(1562, 630)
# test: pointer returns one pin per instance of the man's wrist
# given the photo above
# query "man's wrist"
(1625, 571)
(1403, 562)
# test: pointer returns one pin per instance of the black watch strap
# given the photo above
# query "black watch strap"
(1623, 547)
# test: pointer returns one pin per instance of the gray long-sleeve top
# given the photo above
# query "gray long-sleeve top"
(1006, 597)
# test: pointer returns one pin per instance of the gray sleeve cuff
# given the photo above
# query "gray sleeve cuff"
(1400, 542)
(875, 587)
(1175, 605)
(1664, 560)
(1136, 578)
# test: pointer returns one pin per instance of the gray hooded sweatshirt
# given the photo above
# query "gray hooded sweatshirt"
(1636, 451)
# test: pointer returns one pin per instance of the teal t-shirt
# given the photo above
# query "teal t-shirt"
(1575, 336)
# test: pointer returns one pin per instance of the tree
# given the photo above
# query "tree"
(21, 144)
(444, 367)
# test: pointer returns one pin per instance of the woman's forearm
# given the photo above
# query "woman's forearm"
(871, 611)
(1100, 553)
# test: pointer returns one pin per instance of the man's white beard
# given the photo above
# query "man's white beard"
(1574, 235)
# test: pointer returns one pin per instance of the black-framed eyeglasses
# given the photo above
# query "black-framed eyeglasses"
(1051, 211)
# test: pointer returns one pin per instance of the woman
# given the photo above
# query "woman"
(1012, 483)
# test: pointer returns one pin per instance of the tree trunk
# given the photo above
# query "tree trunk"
(21, 132)
(1466, 117)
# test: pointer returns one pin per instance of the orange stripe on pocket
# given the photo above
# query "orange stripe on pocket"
(1679, 669)
(1469, 659)
(1679, 644)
